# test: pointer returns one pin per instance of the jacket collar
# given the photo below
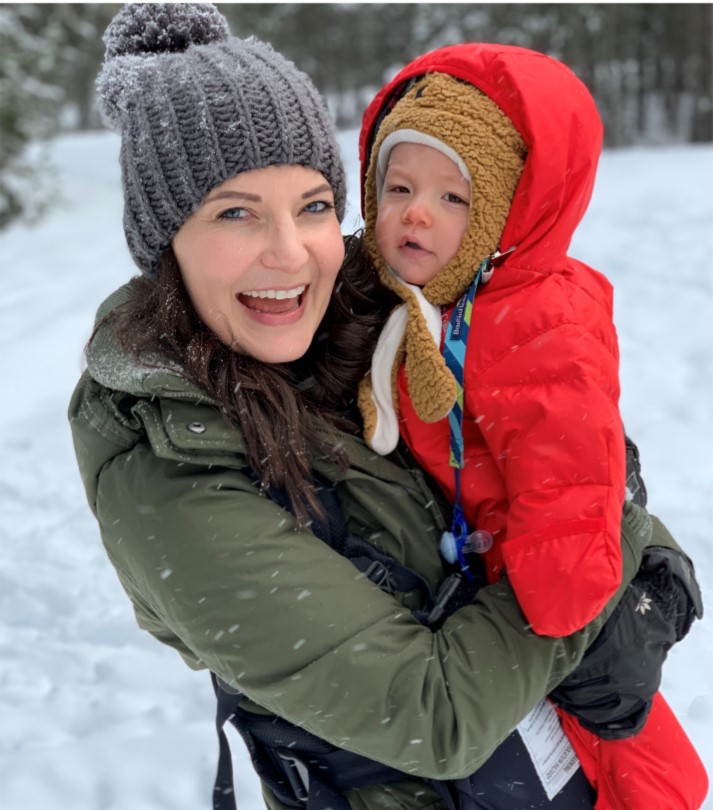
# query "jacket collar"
(152, 375)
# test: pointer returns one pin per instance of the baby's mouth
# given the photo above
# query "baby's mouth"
(275, 302)
(410, 244)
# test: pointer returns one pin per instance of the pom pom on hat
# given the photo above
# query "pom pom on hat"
(196, 106)
(145, 28)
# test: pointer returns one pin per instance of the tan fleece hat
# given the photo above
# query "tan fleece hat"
(483, 137)
(479, 132)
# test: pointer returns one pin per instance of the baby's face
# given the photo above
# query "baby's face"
(423, 212)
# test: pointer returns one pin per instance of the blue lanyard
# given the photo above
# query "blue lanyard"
(454, 350)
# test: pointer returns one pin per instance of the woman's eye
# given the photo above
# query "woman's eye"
(233, 213)
(318, 207)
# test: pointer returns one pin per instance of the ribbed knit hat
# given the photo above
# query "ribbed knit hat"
(194, 107)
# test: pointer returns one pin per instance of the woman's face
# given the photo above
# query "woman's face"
(259, 259)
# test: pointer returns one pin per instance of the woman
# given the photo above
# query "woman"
(218, 438)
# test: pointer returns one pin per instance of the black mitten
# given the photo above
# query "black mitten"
(612, 689)
(670, 577)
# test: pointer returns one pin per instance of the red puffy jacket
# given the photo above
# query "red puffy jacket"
(544, 443)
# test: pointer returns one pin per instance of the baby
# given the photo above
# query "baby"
(501, 370)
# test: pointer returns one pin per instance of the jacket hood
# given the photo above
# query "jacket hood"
(556, 117)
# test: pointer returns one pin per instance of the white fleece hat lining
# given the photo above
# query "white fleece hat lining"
(413, 136)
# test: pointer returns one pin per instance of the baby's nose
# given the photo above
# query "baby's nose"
(418, 213)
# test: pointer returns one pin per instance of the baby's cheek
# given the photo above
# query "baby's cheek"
(383, 228)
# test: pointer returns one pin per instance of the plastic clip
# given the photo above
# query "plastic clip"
(380, 575)
(489, 263)
(443, 597)
(296, 773)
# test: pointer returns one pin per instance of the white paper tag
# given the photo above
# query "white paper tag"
(551, 752)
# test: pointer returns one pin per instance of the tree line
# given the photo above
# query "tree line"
(647, 65)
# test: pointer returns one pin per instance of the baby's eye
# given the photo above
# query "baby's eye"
(397, 190)
(318, 207)
(454, 198)
(233, 213)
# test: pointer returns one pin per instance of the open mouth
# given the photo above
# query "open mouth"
(410, 246)
(273, 302)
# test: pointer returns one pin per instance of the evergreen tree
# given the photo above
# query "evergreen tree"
(647, 65)
(29, 104)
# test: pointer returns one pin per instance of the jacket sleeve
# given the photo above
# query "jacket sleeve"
(281, 616)
(548, 411)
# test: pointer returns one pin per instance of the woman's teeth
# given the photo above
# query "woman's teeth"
(279, 294)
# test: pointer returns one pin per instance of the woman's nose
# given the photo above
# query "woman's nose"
(285, 249)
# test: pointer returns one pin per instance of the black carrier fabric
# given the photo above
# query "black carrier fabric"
(508, 781)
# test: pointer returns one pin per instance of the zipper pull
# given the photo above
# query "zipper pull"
(489, 263)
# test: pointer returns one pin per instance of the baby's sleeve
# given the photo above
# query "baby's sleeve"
(548, 411)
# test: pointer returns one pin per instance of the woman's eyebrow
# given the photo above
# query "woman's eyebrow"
(236, 195)
(318, 190)
(244, 195)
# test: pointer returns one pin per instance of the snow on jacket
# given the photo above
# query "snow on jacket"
(544, 443)
(219, 572)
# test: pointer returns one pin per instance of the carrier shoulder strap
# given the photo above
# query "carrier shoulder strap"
(381, 568)
(301, 770)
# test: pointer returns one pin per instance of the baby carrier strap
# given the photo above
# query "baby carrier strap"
(380, 568)
(301, 770)
(306, 772)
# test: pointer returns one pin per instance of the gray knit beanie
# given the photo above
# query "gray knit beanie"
(195, 106)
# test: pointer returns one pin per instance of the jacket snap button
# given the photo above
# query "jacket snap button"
(196, 427)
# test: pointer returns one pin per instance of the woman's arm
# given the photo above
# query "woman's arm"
(295, 627)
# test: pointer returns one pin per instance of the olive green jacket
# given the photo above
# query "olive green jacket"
(221, 574)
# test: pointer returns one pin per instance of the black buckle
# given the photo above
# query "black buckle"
(296, 773)
(379, 574)
(443, 597)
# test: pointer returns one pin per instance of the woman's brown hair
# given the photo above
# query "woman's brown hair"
(270, 403)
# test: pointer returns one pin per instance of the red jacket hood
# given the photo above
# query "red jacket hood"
(555, 115)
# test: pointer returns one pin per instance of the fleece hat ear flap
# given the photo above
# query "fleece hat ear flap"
(483, 137)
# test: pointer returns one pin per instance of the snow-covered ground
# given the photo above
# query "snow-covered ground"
(96, 715)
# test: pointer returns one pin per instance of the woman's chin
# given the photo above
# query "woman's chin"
(276, 348)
